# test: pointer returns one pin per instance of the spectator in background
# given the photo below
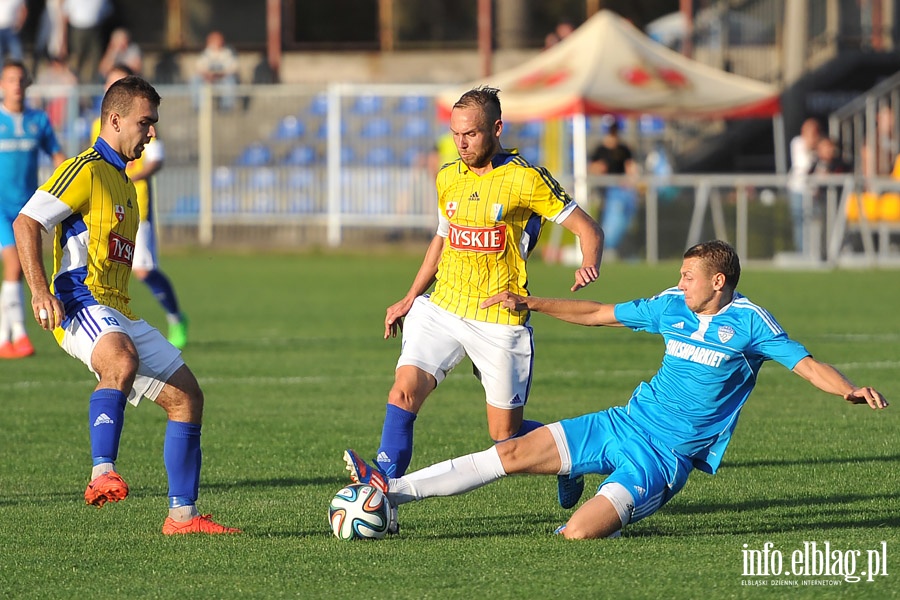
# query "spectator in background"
(86, 21)
(59, 78)
(218, 65)
(51, 37)
(550, 40)
(613, 157)
(263, 73)
(167, 70)
(12, 17)
(803, 155)
(24, 134)
(827, 161)
(562, 30)
(121, 50)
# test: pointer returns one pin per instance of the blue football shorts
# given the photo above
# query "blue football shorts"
(609, 443)
(6, 229)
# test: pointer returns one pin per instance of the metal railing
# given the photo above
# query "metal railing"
(351, 164)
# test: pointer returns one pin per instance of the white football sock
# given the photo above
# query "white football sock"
(448, 478)
(13, 315)
(183, 514)
(102, 468)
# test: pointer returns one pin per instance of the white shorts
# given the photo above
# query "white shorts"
(158, 358)
(145, 247)
(436, 340)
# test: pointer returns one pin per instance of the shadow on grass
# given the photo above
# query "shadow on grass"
(773, 515)
(275, 482)
(779, 462)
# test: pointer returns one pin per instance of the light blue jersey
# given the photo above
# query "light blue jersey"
(21, 137)
(709, 369)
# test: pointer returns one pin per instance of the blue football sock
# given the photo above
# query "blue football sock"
(182, 457)
(527, 427)
(396, 448)
(162, 289)
(106, 415)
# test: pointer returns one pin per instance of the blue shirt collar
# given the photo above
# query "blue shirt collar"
(108, 154)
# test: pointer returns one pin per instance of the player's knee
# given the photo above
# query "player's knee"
(573, 532)
(120, 367)
(405, 399)
(512, 455)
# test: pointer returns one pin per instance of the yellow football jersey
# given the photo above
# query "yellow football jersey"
(94, 243)
(492, 223)
(142, 187)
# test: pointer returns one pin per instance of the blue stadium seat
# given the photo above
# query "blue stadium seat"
(226, 204)
(289, 128)
(322, 132)
(367, 104)
(531, 130)
(379, 156)
(300, 156)
(375, 128)
(187, 205)
(348, 154)
(264, 203)
(254, 155)
(263, 179)
(410, 105)
(223, 178)
(530, 153)
(416, 127)
(301, 204)
(301, 179)
(651, 125)
(319, 105)
(414, 156)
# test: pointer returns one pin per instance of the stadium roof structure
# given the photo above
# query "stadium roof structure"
(608, 66)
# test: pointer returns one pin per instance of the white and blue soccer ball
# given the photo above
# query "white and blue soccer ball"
(359, 512)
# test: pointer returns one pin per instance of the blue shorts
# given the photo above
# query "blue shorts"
(609, 443)
(6, 230)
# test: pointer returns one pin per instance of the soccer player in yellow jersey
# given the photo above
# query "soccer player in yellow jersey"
(492, 204)
(146, 263)
(91, 205)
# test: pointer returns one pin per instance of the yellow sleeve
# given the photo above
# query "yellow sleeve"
(71, 183)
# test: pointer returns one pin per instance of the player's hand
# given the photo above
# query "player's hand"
(393, 318)
(585, 276)
(507, 300)
(866, 395)
(48, 310)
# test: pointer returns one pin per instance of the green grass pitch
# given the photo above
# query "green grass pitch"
(289, 351)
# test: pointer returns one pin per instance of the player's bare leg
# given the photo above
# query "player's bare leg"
(596, 518)
(504, 423)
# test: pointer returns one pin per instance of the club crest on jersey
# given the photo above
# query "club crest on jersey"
(497, 211)
(725, 333)
(120, 213)
(451, 209)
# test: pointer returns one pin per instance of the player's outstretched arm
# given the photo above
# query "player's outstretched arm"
(393, 318)
(828, 379)
(590, 238)
(580, 312)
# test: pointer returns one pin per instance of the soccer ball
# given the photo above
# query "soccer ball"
(359, 512)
